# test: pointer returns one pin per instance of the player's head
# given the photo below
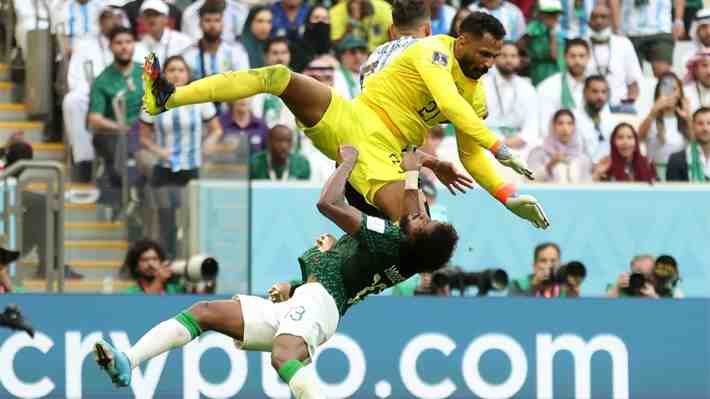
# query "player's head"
(144, 258)
(427, 244)
(410, 18)
(212, 21)
(478, 44)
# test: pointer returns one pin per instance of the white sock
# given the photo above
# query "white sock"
(304, 384)
(161, 338)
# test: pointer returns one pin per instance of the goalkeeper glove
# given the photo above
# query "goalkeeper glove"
(506, 158)
(527, 207)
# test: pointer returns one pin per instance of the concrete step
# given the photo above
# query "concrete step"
(90, 269)
(8, 92)
(48, 151)
(33, 130)
(94, 231)
(90, 250)
(13, 111)
(83, 285)
(4, 72)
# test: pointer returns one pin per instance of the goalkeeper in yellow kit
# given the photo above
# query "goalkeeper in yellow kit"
(432, 81)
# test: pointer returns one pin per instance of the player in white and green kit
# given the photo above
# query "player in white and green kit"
(373, 254)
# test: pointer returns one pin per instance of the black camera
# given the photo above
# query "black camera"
(572, 273)
(13, 319)
(456, 278)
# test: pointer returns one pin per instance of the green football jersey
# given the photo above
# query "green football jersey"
(358, 265)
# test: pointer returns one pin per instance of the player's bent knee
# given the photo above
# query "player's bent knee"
(288, 347)
(277, 78)
(201, 312)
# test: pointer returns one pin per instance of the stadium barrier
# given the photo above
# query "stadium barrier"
(386, 347)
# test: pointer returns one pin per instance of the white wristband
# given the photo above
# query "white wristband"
(411, 180)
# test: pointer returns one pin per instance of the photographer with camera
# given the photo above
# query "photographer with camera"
(150, 269)
(549, 279)
(648, 279)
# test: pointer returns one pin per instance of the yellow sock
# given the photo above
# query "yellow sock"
(232, 86)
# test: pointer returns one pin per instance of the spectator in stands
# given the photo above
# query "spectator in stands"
(268, 107)
(648, 24)
(6, 284)
(697, 80)
(289, 18)
(255, 36)
(176, 138)
(234, 16)
(242, 126)
(138, 23)
(315, 40)
(442, 15)
(542, 42)
(642, 264)
(560, 158)
(211, 54)
(693, 163)
(565, 90)
(123, 75)
(700, 31)
(278, 162)
(507, 13)
(76, 19)
(614, 58)
(626, 164)
(351, 53)
(539, 283)
(575, 15)
(512, 105)
(456, 22)
(28, 18)
(666, 127)
(146, 260)
(91, 57)
(594, 120)
(368, 19)
(159, 38)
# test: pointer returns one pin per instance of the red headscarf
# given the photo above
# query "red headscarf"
(642, 168)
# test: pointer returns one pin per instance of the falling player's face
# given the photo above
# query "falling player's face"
(477, 54)
(417, 223)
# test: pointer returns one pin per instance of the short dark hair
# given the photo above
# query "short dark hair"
(701, 110)
(431, 251)
(210, 7)
(543, 247)
(275, 40)
(479, 23)
(559, 113)
(594, 78)
(17, 150)
(408, 14)
(178, 58)
(136, 251)
(576, 42)
(119, 30)
(667, 260)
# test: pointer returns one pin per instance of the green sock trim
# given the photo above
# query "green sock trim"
(188, 320)
(289, 369)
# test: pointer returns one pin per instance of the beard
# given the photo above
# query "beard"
(122, 62)
(505, 71)
(474, 73)
(211, 38)
(595, 107)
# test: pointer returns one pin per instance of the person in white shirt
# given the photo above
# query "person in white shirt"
(91, 56)
(512, 104)
(507, 13)
(613, 57)
(211, 54)
(160, 39)
(693, 163)
(594, 121)
(76, 19)
(666, 128)
(564, 90)
(700, 30)
(235, 15)
(648, 24)
(442, 15)
(697, 78)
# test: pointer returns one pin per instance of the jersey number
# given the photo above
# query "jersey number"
(429, 111)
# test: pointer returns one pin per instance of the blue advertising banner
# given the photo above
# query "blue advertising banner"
(387, 347)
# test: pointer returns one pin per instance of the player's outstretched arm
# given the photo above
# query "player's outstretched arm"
(332, 199)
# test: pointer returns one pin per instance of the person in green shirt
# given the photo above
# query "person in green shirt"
(277, 162)
(146, 262)
(546, 260)
(122, 76)
(542, 42)
(372, 255)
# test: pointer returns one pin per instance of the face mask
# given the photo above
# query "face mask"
(603, 34)
(318, 35)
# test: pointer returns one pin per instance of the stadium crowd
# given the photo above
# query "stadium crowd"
(568, 92)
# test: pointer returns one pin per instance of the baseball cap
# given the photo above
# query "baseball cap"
(550, 6)
(155, 5)
(351, 42)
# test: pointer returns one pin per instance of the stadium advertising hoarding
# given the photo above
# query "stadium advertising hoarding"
(386, 347)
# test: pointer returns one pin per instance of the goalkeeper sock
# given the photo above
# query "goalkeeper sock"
(302, 381)
(232, 86)
(165, 336)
